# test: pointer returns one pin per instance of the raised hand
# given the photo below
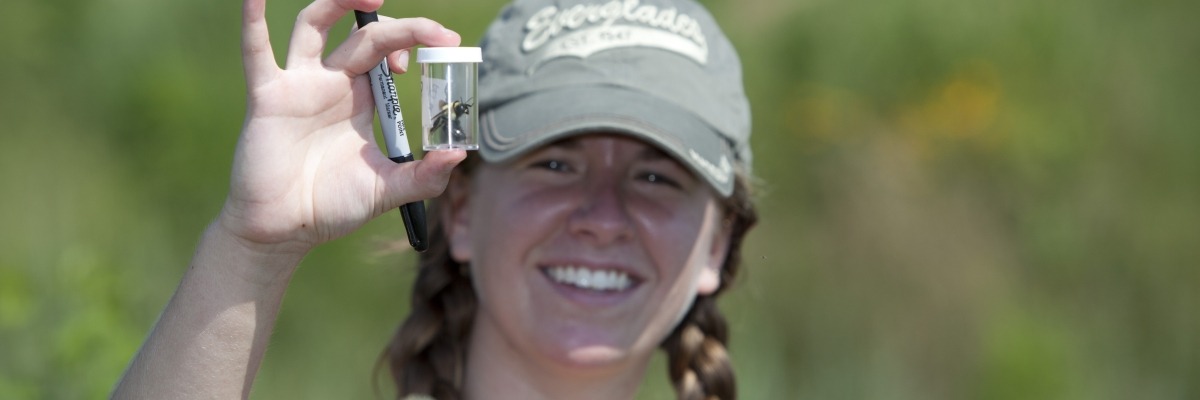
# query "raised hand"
(307, 169)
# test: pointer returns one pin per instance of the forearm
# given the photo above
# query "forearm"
(211, 337)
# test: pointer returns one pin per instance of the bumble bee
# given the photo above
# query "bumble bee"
(453, 110)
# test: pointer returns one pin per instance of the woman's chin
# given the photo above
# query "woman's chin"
(580, 342)
(594, 357)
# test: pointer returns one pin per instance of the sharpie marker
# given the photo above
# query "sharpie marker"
(394, 139)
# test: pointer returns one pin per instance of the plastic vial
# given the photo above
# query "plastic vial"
(448, 114)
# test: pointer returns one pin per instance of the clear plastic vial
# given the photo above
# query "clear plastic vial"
(448, 114)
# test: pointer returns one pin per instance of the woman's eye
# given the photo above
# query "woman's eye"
(658, 178)
(553, 165)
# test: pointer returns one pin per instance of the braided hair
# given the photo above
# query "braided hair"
(427, 355)
(697, 359)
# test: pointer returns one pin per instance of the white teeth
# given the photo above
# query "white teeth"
(590, 279)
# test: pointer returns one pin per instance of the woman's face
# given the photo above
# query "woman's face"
(586, 252)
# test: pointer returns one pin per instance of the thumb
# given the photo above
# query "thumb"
(417, 180)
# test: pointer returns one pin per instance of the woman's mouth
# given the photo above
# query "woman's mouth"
(601, 280)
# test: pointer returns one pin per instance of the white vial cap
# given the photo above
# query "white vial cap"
(449, 55)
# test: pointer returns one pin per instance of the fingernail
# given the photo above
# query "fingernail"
(403, 58)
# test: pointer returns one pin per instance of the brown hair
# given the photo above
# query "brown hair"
(427, 355)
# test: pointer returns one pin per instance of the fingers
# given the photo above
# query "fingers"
(312, 28)
(363, 50)
(397, 60)
(419, 180)
(258, 61)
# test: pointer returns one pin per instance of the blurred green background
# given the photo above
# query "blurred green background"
(963, 199)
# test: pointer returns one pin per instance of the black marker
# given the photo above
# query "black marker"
(388, 108)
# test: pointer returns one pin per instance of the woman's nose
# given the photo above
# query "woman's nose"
(602, 216)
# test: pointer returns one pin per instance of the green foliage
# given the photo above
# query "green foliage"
(962, 199)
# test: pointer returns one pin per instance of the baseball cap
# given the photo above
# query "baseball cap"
(659, 70)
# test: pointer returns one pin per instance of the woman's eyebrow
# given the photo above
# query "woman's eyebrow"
(653, 154)
(567, 144)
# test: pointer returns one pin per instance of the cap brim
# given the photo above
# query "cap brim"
(525, 123)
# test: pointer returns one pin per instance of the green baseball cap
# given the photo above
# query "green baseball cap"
(659, 70)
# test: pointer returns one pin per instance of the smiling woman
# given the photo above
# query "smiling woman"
(597, 227)
(602, 216)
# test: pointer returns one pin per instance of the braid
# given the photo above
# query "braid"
(698, 362)
(427, 355)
